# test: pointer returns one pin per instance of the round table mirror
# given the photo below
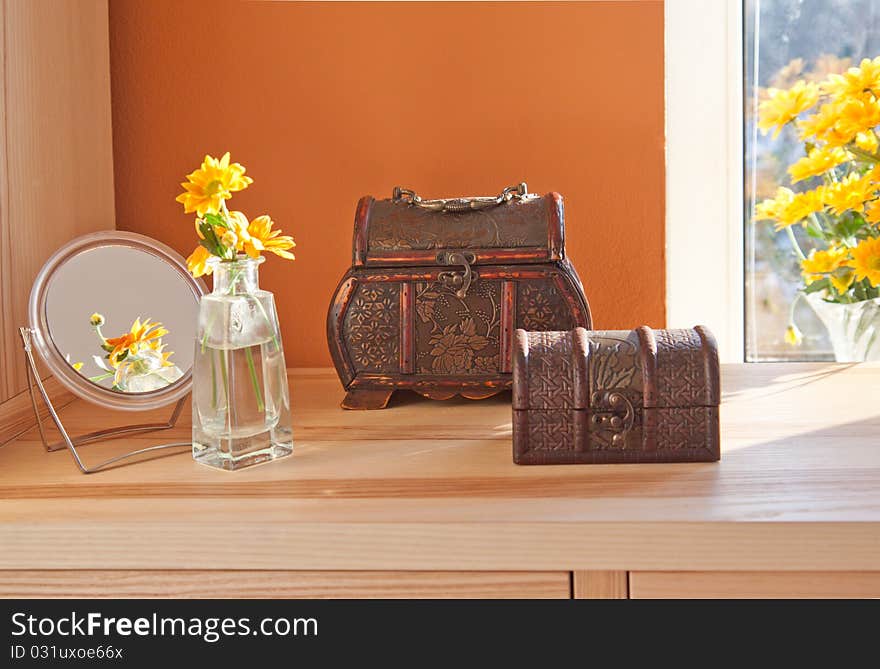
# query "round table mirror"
(113, 314)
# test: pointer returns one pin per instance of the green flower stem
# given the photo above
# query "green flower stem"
(213, 382)
(861, 153)
(250, 362)
(823, 218)
(797, 298)
(794, 244)
(225, 378)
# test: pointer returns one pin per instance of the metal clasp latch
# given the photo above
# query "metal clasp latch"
(457, 281)
(614, 412)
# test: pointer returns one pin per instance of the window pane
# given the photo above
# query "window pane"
(787, 41)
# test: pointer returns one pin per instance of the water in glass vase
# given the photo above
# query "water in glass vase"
(241, 402)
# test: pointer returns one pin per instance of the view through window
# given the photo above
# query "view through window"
(787, 42)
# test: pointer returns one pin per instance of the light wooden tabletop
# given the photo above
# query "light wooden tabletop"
(431, 485)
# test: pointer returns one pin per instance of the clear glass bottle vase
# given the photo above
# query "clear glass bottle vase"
(854, 328)
(241, 400)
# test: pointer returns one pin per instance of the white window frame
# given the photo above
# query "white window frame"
(704, 169)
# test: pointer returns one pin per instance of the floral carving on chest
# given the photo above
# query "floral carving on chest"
(373, 323)
(541, 307)
(456, 335)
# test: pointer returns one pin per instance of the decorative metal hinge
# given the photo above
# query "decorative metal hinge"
(612, 411)
(457, 281)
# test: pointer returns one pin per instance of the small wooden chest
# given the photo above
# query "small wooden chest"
(615, 396)
(437, 288)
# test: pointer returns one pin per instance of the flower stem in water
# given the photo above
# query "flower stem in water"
(222, 360)
(213, 383)
(250, 362)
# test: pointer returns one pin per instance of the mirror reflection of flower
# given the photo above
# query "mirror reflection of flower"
(136, 360)
(76, 365)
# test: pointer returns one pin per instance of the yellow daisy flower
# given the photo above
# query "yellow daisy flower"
(197, 262)
(817, 125)
(850, 193)
(215, 181)
(854, 117)
(842, 278)
(140, 334)
(229, 239)
(788, 207)
(240, 228)
(793, 336)
(867, 141)
(157, 346)
(821, 263)
(261, 237)
(856, 80)
(784, 105)
(866, 260)
(76, 365)
(803, 204)
(772, 209)
(818, 161)
(872, 212)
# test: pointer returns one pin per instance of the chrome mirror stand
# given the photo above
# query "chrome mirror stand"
(33, 378)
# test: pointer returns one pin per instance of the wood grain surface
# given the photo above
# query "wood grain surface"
(754, 585)
(431, 486)
(186, 584)
(17, 413)
(56, 154)
(600, 585)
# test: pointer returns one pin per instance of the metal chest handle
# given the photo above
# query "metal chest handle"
(460, 204)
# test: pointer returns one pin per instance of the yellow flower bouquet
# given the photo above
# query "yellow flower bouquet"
(222, 233)
(241, 400)
(834, 192)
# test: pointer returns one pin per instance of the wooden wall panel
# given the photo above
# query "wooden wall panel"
(17, 413)
(56, 155)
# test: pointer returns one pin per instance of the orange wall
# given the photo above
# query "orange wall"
(324, 103)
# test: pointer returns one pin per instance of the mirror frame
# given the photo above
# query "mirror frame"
(60, 368)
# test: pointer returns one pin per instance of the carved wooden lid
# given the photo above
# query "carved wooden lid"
(398, 233)
(652, 368)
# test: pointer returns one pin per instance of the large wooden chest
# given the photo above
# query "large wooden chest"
(615, 396)
(437, 288)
